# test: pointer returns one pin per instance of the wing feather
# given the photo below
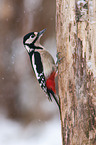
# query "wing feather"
(38, 69)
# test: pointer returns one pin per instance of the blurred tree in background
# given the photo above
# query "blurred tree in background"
(19, 97)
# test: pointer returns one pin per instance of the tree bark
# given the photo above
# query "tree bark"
(76, 40)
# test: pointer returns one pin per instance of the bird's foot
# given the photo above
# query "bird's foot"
(58, 59)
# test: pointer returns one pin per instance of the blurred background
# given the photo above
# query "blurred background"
(26, 115)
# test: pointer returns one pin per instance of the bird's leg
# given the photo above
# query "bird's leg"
(58, 59)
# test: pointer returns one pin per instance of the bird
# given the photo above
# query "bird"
(42, 63)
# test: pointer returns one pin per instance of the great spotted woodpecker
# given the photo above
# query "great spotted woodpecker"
(42, 63)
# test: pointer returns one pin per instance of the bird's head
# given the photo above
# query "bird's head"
(32, 40)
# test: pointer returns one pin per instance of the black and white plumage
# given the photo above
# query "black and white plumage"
(42, 63)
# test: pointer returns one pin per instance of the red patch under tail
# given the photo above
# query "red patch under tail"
(50, 83)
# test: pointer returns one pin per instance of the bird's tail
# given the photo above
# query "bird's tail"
(56, 98)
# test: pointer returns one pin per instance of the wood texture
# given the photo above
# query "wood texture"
(76, 40)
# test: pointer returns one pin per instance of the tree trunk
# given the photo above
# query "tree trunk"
(76, 40)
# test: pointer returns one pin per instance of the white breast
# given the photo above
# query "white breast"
(48, 63)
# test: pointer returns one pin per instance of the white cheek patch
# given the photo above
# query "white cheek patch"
(30, 40)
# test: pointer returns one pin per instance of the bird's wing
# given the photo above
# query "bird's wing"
(38, 69)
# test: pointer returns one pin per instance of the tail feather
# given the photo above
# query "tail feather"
(55, 97)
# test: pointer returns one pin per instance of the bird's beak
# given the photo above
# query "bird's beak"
(41, 32)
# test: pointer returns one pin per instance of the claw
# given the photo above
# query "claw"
(57, 54)
(58, 59)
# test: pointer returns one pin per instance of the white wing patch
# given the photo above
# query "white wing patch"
(40, 76)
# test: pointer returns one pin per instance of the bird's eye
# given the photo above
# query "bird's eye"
(32, 36)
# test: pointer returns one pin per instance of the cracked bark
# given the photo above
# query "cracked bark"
(76, 40)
